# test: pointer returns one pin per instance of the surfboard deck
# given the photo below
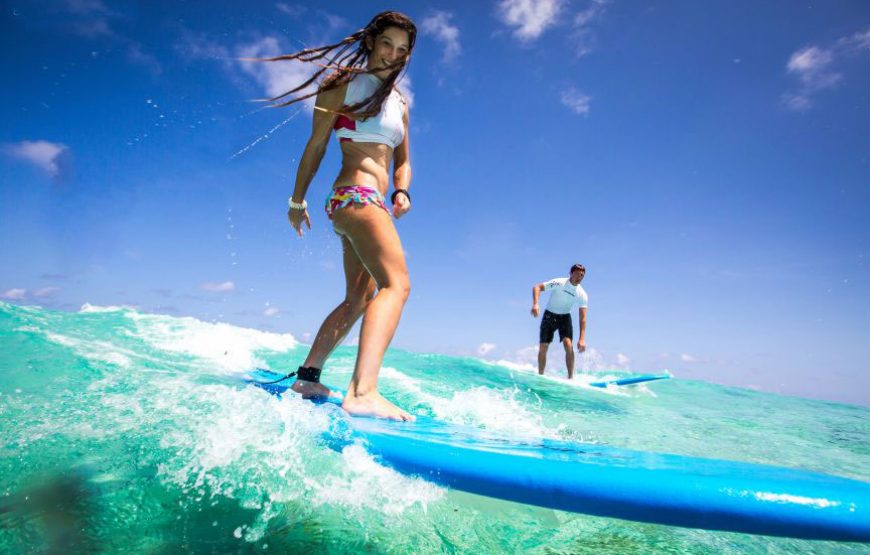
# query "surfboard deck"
(612, 482)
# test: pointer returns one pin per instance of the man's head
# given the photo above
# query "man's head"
(576, 274)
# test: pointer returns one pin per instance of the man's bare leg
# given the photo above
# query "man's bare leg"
(542, 357)
(569, 357)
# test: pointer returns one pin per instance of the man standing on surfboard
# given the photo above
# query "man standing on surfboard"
(566, 292)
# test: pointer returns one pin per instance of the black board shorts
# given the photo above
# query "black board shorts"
(552, 322)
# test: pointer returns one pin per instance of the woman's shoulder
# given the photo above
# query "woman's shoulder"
(400, 93)
(332, 99)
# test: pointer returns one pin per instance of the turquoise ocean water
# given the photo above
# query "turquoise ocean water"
(131, 432)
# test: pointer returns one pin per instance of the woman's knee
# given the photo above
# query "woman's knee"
(403, 287)
(400, 285)
(358, 301)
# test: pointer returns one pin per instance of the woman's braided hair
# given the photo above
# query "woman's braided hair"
(348, 58)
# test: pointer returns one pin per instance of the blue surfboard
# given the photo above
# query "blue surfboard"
(632, 380)
(607, 481)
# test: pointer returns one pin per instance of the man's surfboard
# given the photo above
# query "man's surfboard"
(632, 380)
(613, 482)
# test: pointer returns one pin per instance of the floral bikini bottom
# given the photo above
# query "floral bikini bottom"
(350, 194)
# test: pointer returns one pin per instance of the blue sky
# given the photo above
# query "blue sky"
(707, 162)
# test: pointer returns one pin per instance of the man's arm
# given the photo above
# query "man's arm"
(581, 342)
(536, 294)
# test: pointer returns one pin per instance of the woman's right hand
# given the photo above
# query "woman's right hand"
(296, 218)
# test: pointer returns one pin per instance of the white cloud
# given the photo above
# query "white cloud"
(138, 56)
(815, 67)
(222, 287)
(275, 77)
(194, 46)
(91, 19)
(582, 35)
(622, 360)
(530, 17)
(271, 311)
(576, 101)
(47, 156)
(809, 59)
(438, 25)
(86, 6)
(527, 355)
(858, 41)
(14, 294)
(797, 102)
(290, 9)
(334, 22)
(591, 13)
(46, 292)
(685, 357)
(405, 87)
(93, 29)
(485, 348)
(811, 65)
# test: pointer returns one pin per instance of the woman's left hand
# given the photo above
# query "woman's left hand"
(401, 206)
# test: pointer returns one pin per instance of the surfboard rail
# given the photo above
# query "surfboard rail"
(631, 380)
(620, 483)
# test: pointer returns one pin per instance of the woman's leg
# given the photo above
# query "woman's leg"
(359, 290)
(374, 239)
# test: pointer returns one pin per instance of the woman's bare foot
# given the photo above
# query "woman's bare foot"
(372, 404)
(312, 390)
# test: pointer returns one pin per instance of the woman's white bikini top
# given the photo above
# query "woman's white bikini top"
(386, 128)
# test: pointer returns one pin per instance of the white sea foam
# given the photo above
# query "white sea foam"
(224, 346)
(511, 365)
(91, 349)
(89, 308)
(582, 378)
(526, 360)
(245, 444)
(364, 484)
(403, 380)
(492, 409)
